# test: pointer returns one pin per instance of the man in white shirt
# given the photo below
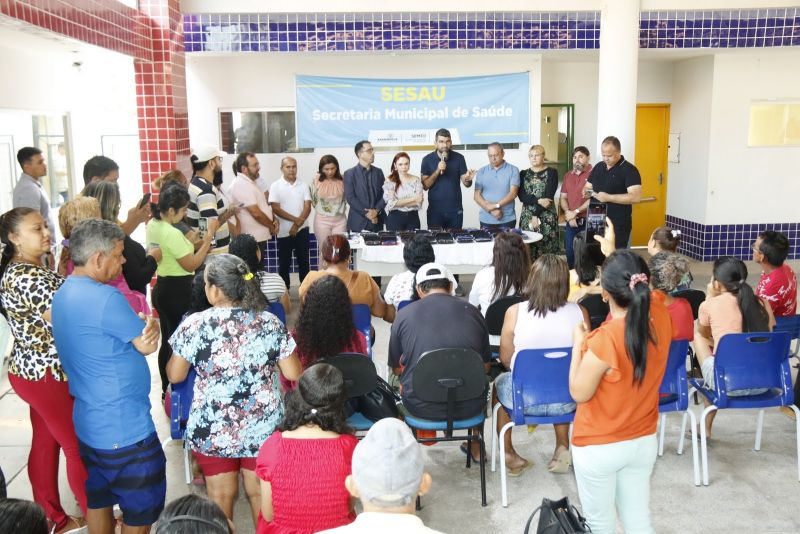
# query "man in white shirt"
(388, 474)
(290, 199)
(255, 216)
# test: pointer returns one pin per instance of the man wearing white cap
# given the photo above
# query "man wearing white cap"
(206, 201)
(388, 474)
(438, 320)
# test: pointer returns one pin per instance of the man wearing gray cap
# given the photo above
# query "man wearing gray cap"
(388, 474)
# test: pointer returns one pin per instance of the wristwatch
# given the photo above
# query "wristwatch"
(497, 206)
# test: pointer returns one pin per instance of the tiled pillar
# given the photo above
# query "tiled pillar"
(161, 94)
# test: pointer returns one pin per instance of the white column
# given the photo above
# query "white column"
(619, 63)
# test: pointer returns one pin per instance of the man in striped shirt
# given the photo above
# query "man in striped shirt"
(206, 201)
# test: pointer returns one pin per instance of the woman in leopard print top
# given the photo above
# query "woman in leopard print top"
(27, 287)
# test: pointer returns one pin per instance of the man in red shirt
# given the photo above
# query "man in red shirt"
(572, 201)
(778, 283)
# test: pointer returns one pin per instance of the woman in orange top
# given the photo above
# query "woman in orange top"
(614, 377)
(335, 251)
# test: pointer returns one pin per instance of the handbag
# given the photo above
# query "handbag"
(380, 402)
(558, 517)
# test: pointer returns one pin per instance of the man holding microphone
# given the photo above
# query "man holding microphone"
(443, 171)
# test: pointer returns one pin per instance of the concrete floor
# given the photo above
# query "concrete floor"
(747, 488)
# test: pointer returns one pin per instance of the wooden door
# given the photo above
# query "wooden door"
(652, 139)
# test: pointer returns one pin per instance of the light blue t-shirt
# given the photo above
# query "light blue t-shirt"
(93, 326)
(494, 184)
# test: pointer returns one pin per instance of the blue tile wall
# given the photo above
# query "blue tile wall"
(706, 242)
(321, 32)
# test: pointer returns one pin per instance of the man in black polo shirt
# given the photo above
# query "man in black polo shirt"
(443, 171)
(617, 183)
(438, 320)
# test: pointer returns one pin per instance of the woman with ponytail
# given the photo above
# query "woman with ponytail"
(360, 286)
(238, 350)
(172, 292)
(731, 307)
(27, 287)
(308, 459)
(614, 377)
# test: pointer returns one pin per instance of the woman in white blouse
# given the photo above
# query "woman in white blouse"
(403, 195)
(506, 275)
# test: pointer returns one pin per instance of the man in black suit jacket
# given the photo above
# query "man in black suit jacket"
(363, 189)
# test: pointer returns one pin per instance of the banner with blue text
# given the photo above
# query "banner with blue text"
(334, 112)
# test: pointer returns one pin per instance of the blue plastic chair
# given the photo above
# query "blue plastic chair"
(674, 397)
(402, 304)
(790, 325)
(748, 361)
(446, 377)
(362, 317)
(180, 400)
(540, 376)
(276, 308)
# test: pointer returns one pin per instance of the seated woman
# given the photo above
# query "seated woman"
(665, 239)
(585, 278)
(360, 286)
(193, 513)
(304, 463)
(614, 376)
(666, 271)
(511, 262)
(545, 321)
(272, 285)
(325, 326)
(731, 307)
(238, 351)
(416, 252)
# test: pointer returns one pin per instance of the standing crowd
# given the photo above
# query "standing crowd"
(267, 405)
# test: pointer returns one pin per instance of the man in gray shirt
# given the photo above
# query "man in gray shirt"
(29, 193)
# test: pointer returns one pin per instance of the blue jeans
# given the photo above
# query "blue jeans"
(569, 241)
(502, 384)
(446, 219)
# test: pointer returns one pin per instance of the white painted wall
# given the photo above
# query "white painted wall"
(267, 80)
(100, 99)
(260, 81)
(751, 185)
(690, 115)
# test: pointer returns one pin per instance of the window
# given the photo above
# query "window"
(774, 124)
(259, 131)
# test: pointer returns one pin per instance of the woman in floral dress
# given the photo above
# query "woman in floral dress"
(537, 189)
(239, 351)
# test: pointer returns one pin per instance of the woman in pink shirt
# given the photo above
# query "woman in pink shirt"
(731, 307)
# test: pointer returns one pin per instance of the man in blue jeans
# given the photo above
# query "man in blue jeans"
(443, 171)
(573, 203)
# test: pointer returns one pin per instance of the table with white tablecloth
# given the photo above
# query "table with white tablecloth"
(460, 258)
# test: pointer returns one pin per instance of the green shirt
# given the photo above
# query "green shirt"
(173, 245)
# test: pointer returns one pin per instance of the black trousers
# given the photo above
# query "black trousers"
(171, 299)
(297, 245)
(398, 221)
(622, 233)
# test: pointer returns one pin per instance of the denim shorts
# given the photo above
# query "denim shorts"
(502, 384)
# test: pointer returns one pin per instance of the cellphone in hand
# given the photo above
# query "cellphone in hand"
(144, 201)
(595, 221)
(202, 226)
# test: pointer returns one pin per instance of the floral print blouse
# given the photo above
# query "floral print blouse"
(327, 197)
(237, 400)
(26, 292)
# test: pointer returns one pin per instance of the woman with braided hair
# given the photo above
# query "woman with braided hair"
(238, 350)
(308, 459)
